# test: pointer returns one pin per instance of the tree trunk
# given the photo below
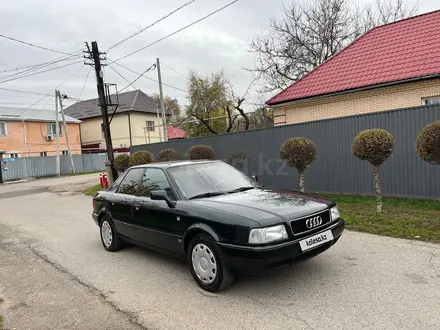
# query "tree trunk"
(301, 181)
(376, 175)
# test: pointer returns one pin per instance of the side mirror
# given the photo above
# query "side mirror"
(161, 195)
(255, 178)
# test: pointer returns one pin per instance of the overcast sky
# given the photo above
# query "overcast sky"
(219, 42)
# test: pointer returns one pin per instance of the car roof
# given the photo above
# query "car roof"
(175, 163)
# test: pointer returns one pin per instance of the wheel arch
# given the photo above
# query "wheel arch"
(195, 229)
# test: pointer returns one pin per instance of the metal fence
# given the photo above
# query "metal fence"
(335, 169)
(34, 167)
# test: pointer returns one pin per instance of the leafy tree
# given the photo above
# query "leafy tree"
(141, 157)
(166, 155)
(172, 109)
(201, 151)
(214, 107)
(310, 32)
(428, 143)
(121, 162)
(298, 152)
(374, 146)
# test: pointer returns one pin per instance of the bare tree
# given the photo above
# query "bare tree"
(310, 32)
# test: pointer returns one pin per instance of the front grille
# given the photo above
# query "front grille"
(299, 226)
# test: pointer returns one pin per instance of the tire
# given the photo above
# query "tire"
(109, 237)
(204, 247)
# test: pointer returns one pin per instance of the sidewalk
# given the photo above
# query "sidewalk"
(74, 184)
(35, 294)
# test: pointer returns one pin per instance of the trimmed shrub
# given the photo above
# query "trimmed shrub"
(121, 162)
(141, 157)
(239, 159)
(167, 155)
(201, 151)
(374, 146)
(428, 143)
(298, 152)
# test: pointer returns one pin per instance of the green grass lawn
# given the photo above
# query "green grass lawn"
(1, 323)
(404, 218)
(93, 190)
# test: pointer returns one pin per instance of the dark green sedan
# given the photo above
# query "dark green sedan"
(223, 222)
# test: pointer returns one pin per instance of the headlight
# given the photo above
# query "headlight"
(267, 235)
(335, 213)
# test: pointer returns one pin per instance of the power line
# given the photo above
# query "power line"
(20, 111)
(58, 59)
(20, 91)
(151, 25)
(128, 69)
(35, 73)
(175, 32)
(120, 75)
(152, 67)
(175, 70)
(33, 45)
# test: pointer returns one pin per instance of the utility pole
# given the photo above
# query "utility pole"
(95, 56)
(69, 151)
(57, 137)
(162, 105)
(158, 124)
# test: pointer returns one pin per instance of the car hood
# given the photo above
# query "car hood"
(266, 207)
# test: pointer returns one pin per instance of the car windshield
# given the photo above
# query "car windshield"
(210, 179)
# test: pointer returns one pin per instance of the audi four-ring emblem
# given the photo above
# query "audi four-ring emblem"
(314, 222)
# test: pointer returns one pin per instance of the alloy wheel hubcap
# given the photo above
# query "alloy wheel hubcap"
(106, 233)
(204, 263)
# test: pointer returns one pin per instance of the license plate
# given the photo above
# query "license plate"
(316, 240)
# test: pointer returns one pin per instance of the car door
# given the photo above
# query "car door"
(160, 224)
(123, 200)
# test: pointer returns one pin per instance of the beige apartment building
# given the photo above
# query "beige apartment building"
(391, 66)
(134, 122)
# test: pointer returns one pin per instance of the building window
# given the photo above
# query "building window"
(13, 155)
(65, 152)
(150, 125)
(3, 129)
(102, 130)
(52, 129)
(43, 153)
(431, 100)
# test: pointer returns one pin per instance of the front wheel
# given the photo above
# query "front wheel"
(109, 238)
(207, 264)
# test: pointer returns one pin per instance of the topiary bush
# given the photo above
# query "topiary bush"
(167, 155)
(428, 143)
(239, 159)
(121, 162)
(374, 146)
(201, 151)
(141, 157)
(298, 152)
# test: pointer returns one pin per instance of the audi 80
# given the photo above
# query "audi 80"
(223, 222)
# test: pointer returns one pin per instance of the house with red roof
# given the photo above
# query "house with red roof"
(392, 66)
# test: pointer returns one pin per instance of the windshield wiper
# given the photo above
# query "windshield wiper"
(240, 189)
(208, 194)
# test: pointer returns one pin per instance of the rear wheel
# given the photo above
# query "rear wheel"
(207, 264)
(109, 237)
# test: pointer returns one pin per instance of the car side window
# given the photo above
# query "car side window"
(130, 183)
(155, 179)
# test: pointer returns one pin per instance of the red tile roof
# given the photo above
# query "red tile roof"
(176, 133)
(401, 50)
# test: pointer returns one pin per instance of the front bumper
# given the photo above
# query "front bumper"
(256, 259)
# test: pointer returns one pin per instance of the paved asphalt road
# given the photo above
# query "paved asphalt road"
(363, 282)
